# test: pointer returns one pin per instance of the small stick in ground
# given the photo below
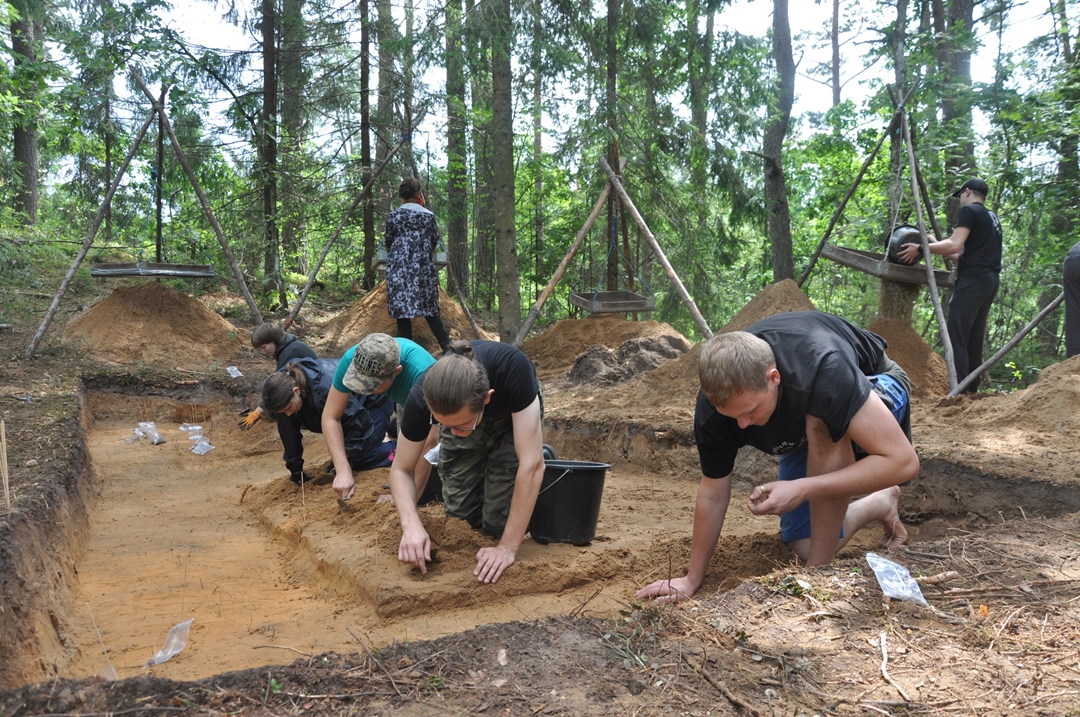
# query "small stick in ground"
(885, 671)
(376, 661)
(4, 465)
(115, 674)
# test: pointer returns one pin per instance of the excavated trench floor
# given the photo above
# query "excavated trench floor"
(269, 572)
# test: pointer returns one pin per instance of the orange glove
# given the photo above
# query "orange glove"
(249, 418)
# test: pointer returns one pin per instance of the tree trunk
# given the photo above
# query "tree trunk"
(24, 44)
(897, 299)
(388, 85)
(365, 143)
(836, 52)
(699, 60)
(293, 82)
(539, 221)
(483, 195)
(611, 106)
(268, 168)
(502, 121)
(778, 218)
(457, 177)
(953, 23)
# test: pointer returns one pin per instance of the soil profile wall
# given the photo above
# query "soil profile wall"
(40, 543)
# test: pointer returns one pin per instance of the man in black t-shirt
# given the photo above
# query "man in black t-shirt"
(976, 242)
(820, 393)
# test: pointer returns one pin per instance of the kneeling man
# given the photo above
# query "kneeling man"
(821, 394)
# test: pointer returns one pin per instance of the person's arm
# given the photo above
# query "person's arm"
(710, 509)
(336, 402)
(891, 460)
(529, 446)
(949, 248)
(415, 546)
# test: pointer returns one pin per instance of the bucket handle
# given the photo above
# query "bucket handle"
(552, 484)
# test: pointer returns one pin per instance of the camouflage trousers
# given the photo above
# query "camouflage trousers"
(479, 472)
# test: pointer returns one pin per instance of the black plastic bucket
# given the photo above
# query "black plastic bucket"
(903, 234)
(569, 502)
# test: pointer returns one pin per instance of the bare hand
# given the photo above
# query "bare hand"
(909, 253)
(667, 590)
(344, 485)
(415, 548)
(491, 562)
(774, 498)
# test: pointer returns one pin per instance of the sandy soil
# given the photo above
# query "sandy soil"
(226, 539)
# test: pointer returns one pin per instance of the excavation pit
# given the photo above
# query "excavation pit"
(268, 571)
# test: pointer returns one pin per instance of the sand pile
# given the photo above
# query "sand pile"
(152, 323)
(369, 316)
(926, 369)
(778, 298)
(555, 350)
(664, 397)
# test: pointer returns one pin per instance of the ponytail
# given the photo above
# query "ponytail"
(277, 390)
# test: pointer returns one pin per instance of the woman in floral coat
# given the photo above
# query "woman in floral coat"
(412, 280)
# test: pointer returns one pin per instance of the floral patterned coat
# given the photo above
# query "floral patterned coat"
(412, 280)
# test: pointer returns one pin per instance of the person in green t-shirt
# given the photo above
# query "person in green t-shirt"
(379, 363)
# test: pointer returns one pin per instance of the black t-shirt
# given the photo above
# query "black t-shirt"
(510, 373)
(982, 248)
(823, 363)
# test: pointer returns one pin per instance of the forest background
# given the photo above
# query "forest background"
(518, 101)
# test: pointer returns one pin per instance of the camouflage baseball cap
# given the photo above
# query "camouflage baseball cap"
(375, 359)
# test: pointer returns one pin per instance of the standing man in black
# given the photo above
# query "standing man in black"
(976, 243)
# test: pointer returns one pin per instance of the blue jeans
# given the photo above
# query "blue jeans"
(795, 524)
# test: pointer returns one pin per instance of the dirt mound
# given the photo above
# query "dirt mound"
(664, 398)
(370, 315)
(555, 350)
(151, 323)
(926, 369)
(600, 366)
(778, 298)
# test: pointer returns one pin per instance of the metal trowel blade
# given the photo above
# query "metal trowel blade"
(343, 505)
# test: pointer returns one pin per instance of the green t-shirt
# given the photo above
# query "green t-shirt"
(414, 361)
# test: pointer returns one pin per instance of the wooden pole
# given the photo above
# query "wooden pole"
(255, 315)
(1009, 346)
(668, 269)
(950, 362)
(89, 241)
(364, 192)
(565, 263)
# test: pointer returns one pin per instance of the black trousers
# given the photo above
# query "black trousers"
(435, 323)
(968, 311)
(1070, 278)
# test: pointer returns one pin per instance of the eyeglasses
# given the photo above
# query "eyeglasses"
(462, 428)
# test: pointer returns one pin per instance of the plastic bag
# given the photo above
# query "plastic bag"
(174, 643)
(895, 580)
(201, 446)
(233, 371)
(146, 429)
(194, 432)
(432, 456)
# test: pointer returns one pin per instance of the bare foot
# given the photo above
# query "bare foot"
(385, 498)
(895, 534)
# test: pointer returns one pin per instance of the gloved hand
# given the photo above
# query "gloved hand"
(301, 477)
(249, 417)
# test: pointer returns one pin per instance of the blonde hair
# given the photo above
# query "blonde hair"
(734, 363)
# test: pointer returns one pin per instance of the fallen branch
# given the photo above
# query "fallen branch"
(885, 670)
(280, 647)
(938, 579)
(698, 668)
